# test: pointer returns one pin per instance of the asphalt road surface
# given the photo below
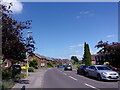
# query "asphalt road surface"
(58, 78)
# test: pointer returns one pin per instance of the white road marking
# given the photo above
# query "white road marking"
(91, 86)
(64, 73)
(73, 78)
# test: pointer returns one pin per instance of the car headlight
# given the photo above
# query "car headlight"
(104, 73)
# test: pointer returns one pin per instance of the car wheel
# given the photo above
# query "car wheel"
(78, 72)
(87, 74)
(98, 77)
(82, 73)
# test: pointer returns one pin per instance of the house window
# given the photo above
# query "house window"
(42, 64)
(6, 63)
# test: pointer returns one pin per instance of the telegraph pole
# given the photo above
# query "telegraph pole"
(27, 55)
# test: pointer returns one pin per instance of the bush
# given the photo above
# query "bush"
(34, 63)
(19, 76)
(6, 75)
(7, 84)
(30, 69)
(78, 65)
(50, 64)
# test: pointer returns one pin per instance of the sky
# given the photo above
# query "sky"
(60, 29)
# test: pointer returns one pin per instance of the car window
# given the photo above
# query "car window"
(85, 66)
(103, 68)
(92, 67)
(68, 65)
(81, 66)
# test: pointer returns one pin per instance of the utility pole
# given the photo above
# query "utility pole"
(27, 55)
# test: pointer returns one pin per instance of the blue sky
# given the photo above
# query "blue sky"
(60, 29)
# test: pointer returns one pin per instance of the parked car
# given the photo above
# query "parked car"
(17, 69)
(101, 72)
(82, 70)
(60, 66)
(68, 67)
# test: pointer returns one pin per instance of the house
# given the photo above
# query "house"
(100, 59)
(6, 63)
(93, 60)
(42, 60)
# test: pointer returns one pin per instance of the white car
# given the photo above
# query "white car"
(102, 72)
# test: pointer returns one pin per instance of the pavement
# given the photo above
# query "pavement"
(34, 80)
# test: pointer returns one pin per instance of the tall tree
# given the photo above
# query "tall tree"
(74, 58)
(87, 55)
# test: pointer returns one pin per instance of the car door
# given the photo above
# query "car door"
(90, 71)
(94, 73)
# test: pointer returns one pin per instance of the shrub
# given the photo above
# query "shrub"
(30, 69)
(34, 63)
(19, 76)
(50, 64)
(78, 65)
(6, 75)
(7, 84)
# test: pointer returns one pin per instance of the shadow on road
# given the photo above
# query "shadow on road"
(23, 81)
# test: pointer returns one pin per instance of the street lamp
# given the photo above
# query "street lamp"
(27, 56)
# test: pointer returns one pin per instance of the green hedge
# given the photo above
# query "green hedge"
(30, 69)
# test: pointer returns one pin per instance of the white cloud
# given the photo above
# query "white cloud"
(77, 52)
(85, 13)
(17, 5)
(80, 45)
(94, 51)
(110, 36)
(75, 46)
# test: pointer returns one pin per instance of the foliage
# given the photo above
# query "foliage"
(49, 64)
(78, 65)
(7, 74)
(12, 36)
(19, 76)
(74, 58)
(111, 52)
(7, 84)
(30, 69)
(87, 55)
(34, 63)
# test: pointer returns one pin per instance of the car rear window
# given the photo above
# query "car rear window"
(85, 66)
(103, 68)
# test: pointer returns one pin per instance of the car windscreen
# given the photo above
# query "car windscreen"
(68, 66)
(85, 66)
(103, 68)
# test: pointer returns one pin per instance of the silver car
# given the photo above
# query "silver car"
(102, 72)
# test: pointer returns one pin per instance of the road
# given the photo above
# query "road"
(58, 78)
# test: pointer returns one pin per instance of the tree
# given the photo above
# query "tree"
(34, 63)
(111, 52)
(13, 43)
(74, 58)
(87, 55)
